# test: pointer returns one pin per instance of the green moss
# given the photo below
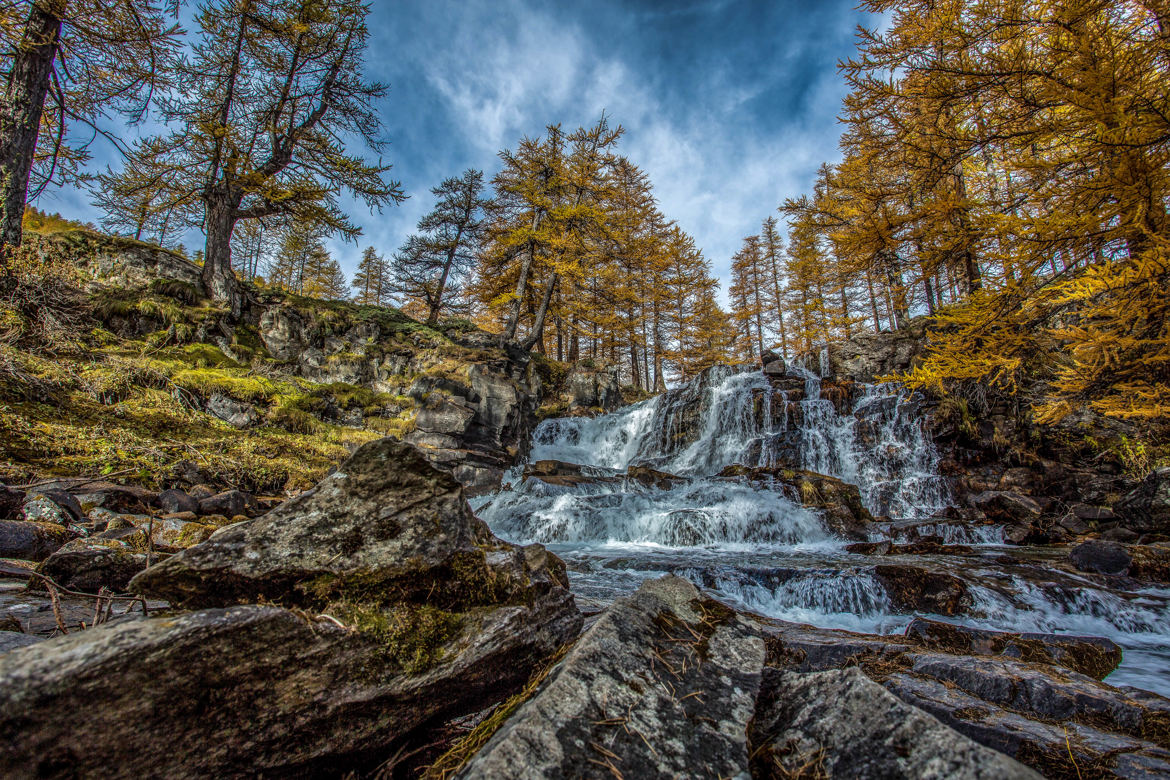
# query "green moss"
(413, 637)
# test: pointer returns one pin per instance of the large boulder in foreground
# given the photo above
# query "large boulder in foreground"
(386, 523)
(386, 606)
(663, 685)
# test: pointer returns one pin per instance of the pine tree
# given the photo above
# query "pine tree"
(255, 117)
(433, 262)
(372, 280)
(66, 64)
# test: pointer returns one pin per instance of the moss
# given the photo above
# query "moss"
(411, 636)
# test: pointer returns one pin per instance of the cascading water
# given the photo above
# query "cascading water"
(763, 550)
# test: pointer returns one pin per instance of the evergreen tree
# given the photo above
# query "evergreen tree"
(372, 280)
(66, 64)
(255, 117)
(434, 261)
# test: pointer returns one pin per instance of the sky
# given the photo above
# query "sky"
(729, 106)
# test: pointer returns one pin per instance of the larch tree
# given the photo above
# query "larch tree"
(66, 64)
(260, 114)
(372, 280)
(434, 261)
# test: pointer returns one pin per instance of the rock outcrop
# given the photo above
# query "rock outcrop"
(387, 606)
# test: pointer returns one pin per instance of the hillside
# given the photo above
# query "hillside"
(118, 367)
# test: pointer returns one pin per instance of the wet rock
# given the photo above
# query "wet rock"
(1118, 534)
(1096, 514)
(557, 472)
(914, 589)
(88, 565)
(1006, 507)
(930, 545)
(31, 541)
(653, 478)
(841, 724)
(839, 502)
(1093, 656)
(1146, 508)
(663, 685)
(1100, 557)
(174, 501)
(1074, 524)
(254, 690)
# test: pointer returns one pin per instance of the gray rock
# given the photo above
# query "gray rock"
(283, 332)
(10, 502)
(386, 522)
(31, 541)
(174, 500)
(663, 685)
(591, 388)
(1100, 557)
(42, 509)
(1146, 508)
(88, 565)
(1093, 656)
(254, 691)
(1006, 507)
(228, 503)
(10, 640)
(238, 414)
(850, 727)
(444, 416)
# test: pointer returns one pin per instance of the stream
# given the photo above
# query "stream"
(757, 547)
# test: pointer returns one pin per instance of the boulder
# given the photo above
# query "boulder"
(255, 690)
(591, 388)
(229, 503)
(386, 522)
(1150, 563)
(1100, 557)
(31, 541)
(563, 474)
(10, 640)
(1146, 508)
(914, 589)
(88, 565)
(39, 508)
(398, 608)
(841, 724)
(282, 330)
(662, 685)
(1093, 656)
(238, 414)
(1006, 507)
(174, 501)
(839, 502)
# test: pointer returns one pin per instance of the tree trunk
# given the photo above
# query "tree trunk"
(437, 304)
(509, 333)
(219, 281)
(537, 334)
(20, 117)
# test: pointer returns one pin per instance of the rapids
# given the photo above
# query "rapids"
(760, 549)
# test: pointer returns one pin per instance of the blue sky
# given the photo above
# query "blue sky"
(729, 105)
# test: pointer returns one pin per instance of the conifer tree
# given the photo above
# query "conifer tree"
(435, 260)
(66, 64)
(372, 280)
(256, 116)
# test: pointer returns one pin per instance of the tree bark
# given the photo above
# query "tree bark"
(537, 334)
(20, 117)
(219, 281)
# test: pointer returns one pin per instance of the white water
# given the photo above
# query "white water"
(765, 552)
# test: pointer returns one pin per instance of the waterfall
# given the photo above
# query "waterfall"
(615, 522)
